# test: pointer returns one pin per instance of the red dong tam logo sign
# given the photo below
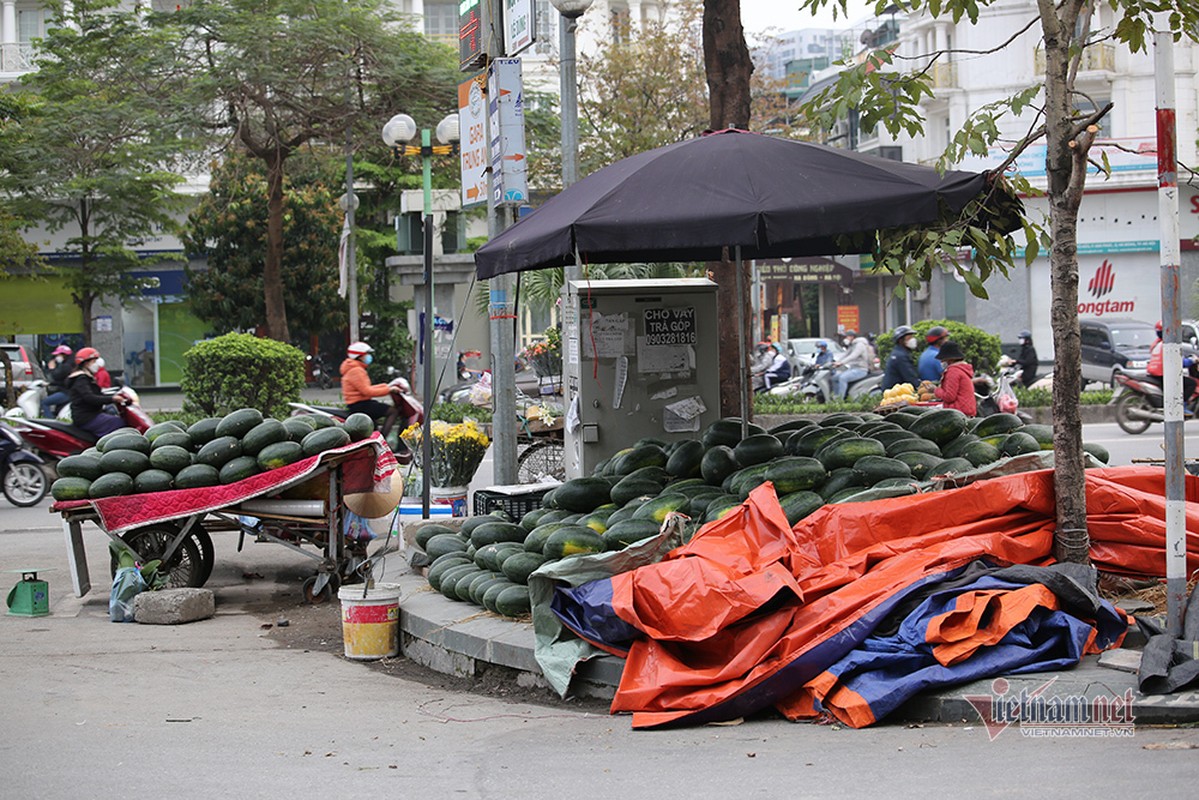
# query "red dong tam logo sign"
(1102, 283)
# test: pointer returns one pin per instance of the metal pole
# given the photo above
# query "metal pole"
(744, 389)
(1167, 193)
(351, 267)
(569, 85)
(426, 442)
(500, 288)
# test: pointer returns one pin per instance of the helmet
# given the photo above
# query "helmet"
(359, 349)
(823, 345)
(61, 350)
(1025, 334)
(904, 330)
(851, 332)
(86, 354)
(935, 333)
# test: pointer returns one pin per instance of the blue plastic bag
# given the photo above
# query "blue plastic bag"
(126, 586)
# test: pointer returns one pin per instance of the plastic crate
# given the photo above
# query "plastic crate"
(515, 505)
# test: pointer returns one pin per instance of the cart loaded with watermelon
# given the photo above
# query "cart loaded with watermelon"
(163, 493)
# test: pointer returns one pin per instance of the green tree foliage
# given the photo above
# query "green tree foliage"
(281, 75)
(887, 91)
(94, 150)
(643, 91)
(229, 227)
(238, 370)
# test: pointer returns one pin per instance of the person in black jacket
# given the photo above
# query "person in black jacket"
(87, 401)
(59, 367)
(1027, 359)
(901, 368)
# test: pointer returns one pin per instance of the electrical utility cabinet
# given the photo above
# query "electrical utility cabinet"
(640, 361)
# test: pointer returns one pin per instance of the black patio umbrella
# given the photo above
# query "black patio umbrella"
(687, 201)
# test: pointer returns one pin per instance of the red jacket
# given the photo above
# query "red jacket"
(356, 384)
(957, 388)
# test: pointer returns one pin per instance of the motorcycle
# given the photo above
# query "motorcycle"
(22, 471)
(815, 385)
(322, 378)
(53, 439)
(410, 412)
(1140, 403)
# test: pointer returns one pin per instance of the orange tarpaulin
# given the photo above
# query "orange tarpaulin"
(751, 610)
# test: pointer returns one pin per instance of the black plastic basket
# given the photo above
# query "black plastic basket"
(515, 505)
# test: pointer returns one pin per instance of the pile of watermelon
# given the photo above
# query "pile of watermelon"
(211, 452)
(844, 457)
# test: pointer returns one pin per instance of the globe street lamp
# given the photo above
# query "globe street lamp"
(398, 134)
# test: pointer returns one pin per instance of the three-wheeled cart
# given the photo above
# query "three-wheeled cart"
(296, 506)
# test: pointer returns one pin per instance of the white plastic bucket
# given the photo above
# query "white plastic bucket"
(452, 496)
(370, 625)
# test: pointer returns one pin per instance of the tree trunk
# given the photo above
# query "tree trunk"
(727, 64)
(1066, 165)
(728, 68)
(272, 269)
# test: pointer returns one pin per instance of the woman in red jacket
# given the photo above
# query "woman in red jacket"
(957, 382)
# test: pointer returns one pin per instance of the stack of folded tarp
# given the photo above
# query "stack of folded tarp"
(862, 605)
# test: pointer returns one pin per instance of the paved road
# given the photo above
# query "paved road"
(214, 709)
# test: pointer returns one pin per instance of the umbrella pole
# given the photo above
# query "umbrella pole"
(744, 383)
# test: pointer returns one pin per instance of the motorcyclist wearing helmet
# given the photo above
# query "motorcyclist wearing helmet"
(87, 401)
(901, 368)
(823, 354)
(1027, 359)
(1154, 369)
(358, 391)
(779, 369)
(58, 369)
(857, 359)
(928, 368)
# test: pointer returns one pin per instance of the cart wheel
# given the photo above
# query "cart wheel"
(539, 460)
(186, 565)
(207, 556)
(327, 592)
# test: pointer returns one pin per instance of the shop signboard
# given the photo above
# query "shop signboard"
(849, 318)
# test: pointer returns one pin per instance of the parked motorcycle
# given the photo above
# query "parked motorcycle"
(815, 385)
(53, 439)
(1140, 403)
(22, 471)
(322, 376)
(411, 412)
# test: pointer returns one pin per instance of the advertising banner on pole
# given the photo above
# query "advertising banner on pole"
(472, 153)
(505, 97)
(518, 26)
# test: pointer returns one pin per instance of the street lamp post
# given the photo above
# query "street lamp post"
(570, 10)
(399, 131)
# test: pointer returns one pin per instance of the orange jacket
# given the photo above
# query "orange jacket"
(356, 384)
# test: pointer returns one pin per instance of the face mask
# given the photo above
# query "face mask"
(368, 360)
(910, 343)
(99, 364)
(92, 366)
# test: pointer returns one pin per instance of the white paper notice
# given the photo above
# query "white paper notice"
(683, 415)
(604, 337)
(572, 415)
(622, 379)
(672, 358)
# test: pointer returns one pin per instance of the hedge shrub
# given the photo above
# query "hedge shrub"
(981, 349)
(238, 370)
